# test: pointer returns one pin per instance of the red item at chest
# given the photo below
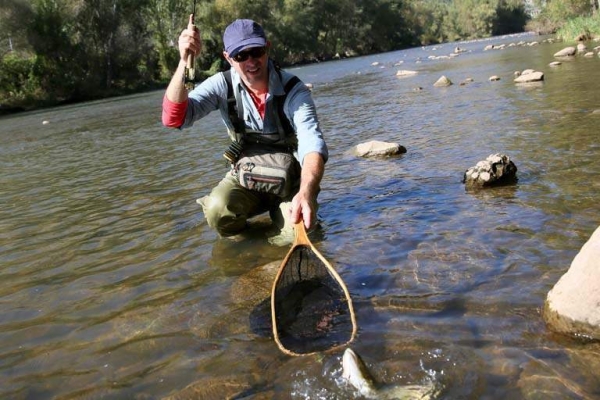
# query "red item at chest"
(260, 101)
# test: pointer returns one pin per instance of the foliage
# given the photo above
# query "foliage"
(15, 15)
(588, 26)
(555, 13)
(73, 50)
(16, 78)
(435, 21)
(472, 19)
(164, 20)
(511, 16)
(50, 36)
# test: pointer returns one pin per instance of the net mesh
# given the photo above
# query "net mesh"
(312, 312)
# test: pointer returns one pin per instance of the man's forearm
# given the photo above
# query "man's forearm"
(176, 91)
(313, 168)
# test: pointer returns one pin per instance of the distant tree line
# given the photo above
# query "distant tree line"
(58, 51)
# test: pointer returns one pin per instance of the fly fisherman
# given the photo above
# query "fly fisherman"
(277, 153)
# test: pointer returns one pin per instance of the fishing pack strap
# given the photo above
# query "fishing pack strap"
(235, 108)
(283, 123)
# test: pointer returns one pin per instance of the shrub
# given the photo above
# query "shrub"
(588, 26)
(17, 85)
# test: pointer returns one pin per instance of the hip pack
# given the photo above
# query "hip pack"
(268, 169)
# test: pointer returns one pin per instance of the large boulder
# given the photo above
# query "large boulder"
(573, 305)
(534, 76)
(442, 82)
(566, 52)
(497, 169)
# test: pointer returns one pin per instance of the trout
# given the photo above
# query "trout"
(356, 374)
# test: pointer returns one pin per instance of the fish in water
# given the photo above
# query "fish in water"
(356, 374)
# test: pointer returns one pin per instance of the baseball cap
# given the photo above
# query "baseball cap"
(243, 33)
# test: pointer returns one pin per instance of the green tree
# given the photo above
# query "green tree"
(472, 19)
(425, 21)
(166, 19)
(292, 32)
(50, 35)
(115, 40)
(15, 15)
(375, 26)
(555, 13)
(511, 17)
(335, 26)
(16, 59)
(560, 10)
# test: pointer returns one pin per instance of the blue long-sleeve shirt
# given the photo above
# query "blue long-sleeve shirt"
(299, 108)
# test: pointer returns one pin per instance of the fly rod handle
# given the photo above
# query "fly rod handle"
(190, 57)
(190, 61)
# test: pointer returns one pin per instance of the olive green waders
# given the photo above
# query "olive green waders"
(229, 206)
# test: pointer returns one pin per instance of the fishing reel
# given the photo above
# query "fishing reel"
(232, 154)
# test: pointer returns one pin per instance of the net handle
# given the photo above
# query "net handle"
(301, 237)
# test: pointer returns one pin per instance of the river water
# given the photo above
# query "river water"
(113, 286)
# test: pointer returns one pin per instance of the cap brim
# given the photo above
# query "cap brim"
(248, 43)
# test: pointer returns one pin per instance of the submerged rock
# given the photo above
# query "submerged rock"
(536, 382)
(497, 169)
(226, 387)
(255, 285)
(405, 72)
(573, 305)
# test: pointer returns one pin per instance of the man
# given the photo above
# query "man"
(258, 85)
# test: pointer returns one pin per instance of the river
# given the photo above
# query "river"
(113, 286)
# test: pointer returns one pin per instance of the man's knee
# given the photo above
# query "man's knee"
(220, 217)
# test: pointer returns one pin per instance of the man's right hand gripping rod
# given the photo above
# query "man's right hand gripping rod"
(190, 70)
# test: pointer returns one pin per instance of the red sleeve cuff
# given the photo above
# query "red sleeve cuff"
(173, 114)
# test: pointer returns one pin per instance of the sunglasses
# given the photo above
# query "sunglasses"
(254, 52)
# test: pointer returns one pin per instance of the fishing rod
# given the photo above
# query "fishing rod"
(190, 69)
